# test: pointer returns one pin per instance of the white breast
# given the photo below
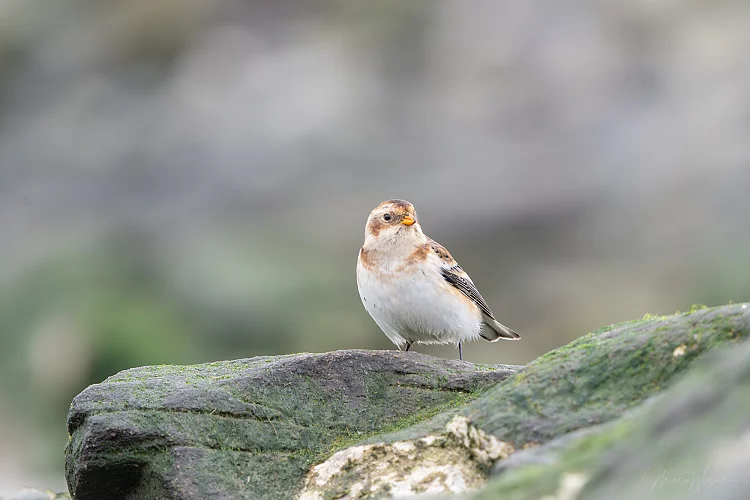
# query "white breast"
(418, 305)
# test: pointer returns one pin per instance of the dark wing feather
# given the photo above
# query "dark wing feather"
(453, 274)
(457, 277)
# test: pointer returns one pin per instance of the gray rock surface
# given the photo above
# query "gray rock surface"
(250, 428)
(332, 425)
(693, 441)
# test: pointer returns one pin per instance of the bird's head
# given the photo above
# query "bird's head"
(393, 221)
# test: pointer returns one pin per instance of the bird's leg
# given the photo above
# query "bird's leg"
(460, 352)
(408, 345)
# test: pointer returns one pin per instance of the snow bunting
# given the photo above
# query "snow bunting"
(414, 289)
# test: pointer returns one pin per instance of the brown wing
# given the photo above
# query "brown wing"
(453, 274)
(443, 253)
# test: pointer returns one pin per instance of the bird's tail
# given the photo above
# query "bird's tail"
(497, 330)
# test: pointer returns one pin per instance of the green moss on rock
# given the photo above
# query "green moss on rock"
(254, 428)
(597, 377)
(250, 428)
(690, 442)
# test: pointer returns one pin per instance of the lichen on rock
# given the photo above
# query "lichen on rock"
(454, 461)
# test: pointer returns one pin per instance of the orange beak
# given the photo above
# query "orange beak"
(408, 220)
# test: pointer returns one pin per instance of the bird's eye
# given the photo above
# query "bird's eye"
(387, 217)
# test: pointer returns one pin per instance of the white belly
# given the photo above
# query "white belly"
(418, 307)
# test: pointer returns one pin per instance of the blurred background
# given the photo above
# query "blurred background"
(188, 180)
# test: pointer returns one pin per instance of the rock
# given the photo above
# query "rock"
(452, 461)
(693, 441)
(250, 428)
(373, 424)
(596, 378)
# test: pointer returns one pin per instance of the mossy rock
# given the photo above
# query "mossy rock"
(693, 441)
(250, 428)
(572, 392)
(255, 428)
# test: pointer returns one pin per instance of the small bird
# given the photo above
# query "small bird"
(414, 289)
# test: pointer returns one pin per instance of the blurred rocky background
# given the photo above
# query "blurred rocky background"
(188, 180)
